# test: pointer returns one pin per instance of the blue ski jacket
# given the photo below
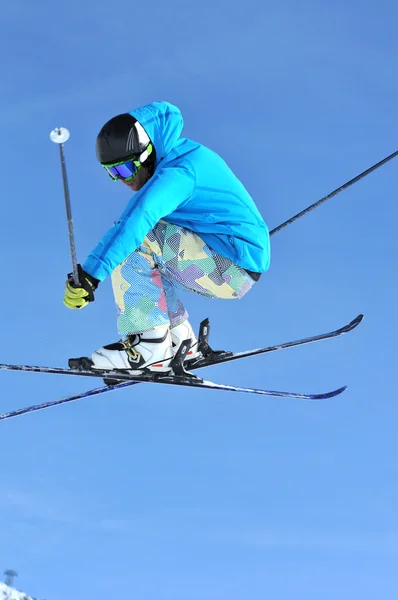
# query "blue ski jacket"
(192, 187)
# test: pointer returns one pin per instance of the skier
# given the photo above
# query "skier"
(191, 224)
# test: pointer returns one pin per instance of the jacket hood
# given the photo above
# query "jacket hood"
(163, 123)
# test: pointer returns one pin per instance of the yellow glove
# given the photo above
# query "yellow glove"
(79, 297)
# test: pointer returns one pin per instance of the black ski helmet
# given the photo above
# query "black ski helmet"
(122, 138)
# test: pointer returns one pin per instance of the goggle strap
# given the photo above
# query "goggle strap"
(148, 150)
(142, 158)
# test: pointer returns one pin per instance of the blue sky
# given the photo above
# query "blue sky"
(174, 494)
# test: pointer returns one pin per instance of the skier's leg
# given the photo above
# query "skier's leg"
(184, 258)
(142, 319)
(139, 295)
(185, 261)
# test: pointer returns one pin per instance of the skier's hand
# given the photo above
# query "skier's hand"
(79, 297)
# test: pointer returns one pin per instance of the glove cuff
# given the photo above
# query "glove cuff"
(93, 281)
(86, 281)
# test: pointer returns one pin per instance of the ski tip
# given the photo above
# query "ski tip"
(350, 326)
(329, 394)
(356, 321)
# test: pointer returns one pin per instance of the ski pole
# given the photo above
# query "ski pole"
(59, 136)
(334, 193)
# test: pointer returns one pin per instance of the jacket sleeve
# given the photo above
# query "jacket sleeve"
(168, 189)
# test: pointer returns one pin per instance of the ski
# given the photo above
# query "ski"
(179, 380)
(192, 382)
(210, 358)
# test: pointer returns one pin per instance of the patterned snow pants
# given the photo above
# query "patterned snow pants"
(145, 284)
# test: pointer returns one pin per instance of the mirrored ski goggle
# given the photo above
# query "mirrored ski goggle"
(127, 170)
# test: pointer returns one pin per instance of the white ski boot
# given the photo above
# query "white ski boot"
(137, 353)
(182, 332)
